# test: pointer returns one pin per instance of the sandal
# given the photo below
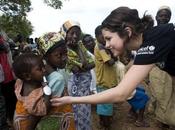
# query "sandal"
(141, 124)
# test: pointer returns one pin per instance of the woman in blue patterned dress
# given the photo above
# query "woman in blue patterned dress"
(79, 64)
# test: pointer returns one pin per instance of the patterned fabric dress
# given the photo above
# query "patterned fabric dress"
(32, 108)
(79, 85)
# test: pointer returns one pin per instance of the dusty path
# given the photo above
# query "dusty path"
(120, 121)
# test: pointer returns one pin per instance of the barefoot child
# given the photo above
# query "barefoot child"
(106, 77)
(138, 103)
(138, 98)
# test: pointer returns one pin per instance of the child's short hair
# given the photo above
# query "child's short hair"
(84, 39)
(98, 30)
(24, 63)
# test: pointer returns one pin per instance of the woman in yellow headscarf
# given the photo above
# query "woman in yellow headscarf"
(79, 64)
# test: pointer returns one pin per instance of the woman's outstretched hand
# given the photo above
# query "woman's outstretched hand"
(58, 101)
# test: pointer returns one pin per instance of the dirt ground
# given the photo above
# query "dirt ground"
(120, 120)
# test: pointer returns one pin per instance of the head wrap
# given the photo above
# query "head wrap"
(49, 40)
(164, 7)
(67, 25)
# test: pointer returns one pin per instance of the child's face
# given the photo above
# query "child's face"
(37, 71)
(101, 39)
(89, 43)
(58, 57)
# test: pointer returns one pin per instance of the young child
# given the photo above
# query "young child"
(54, 52)
(138, 102)
(105, 71)
(33, 97)
(138, 99)
(89, 42)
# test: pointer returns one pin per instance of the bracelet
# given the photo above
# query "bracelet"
(47, 90)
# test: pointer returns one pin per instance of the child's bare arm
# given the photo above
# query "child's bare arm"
(47, 94)
(47, 101)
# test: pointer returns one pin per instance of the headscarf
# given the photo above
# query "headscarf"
(164, 7)
(48, 41)
(67, 25)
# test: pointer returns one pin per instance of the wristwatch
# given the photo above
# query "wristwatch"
(47, 90)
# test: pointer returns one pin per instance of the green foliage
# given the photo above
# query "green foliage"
(56, 4)
(15, 7)
(13, 20)
(15, 25)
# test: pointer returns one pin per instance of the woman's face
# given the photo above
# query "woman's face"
(113, 42)
(163, 17)
(73, 36)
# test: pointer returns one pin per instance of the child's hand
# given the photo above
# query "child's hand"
(57, 101)
(75, 69)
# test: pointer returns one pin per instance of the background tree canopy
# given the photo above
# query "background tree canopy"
(56, 4)
(13, 19)
(15, 25)
(15, 7)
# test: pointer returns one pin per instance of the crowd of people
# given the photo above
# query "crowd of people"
(62, 73)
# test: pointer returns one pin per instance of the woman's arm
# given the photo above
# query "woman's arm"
(88, 66)
(120, 93)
